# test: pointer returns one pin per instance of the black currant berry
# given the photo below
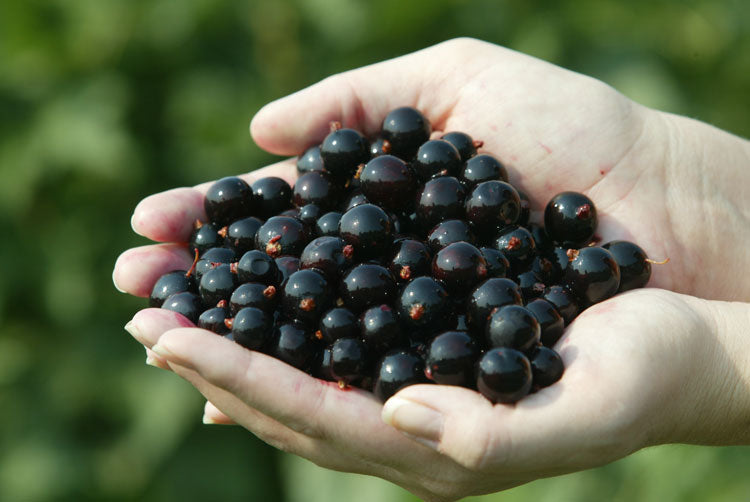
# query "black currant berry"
(592, 275)
(491, 294)
(570, 219)
(448, 232)
(322, 365)
(368, 228)
(251, 328)
(379, 147)
(287, 266)
(497, 263)
(217, 284)
(517, 245)
(550, 321)
(546, 367)
(635, 267)
(211, 258)
(366, 285)
(504, 375)
(204, 236)
(328, 224)
(272, 196)
(294, 344)
(482, 168)
(512, 326)
(309, 215)
(465, 145)
(405, 129)
(315, 188)
(185, 303)
(398, 369)
(310, 160)
(281, 235)
(451, 358)
(213, 320)
(410, 259)
(337, 323)
(440, 199)
(176, 281)
(306, 295)
(492, 205)
(436, 157)
(380, 328)
(423, 303)
(460, 266)
(564, 302)
(355, 198)
(329, 255)
(342, 151)
(228, 199)
(541, 238)
(240, 235)
(530, 285)
(257, 266)
(387, 181)
(349, 360)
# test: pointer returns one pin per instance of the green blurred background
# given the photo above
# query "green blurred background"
(103, 102)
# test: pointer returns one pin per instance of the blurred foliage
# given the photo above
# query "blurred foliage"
(103, 102)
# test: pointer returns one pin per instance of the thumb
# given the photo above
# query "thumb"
(361, 98)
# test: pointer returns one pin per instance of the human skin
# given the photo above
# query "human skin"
(670, 363)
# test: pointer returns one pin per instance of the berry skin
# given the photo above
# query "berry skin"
(322, 365)
(168, 284)
(315, 188)
(592, 275)
(185, 303)
(564, 302)
(240, 235)
(310, 160)
(309, 215)
(213, 320)
(342, 151)
(337, 323)
(281, 235)
(380, 328)
(513, 326)
(328, 225)
(204, 236)
(293, 344)
(541, 238)
(410, 259)
(497, 263)
(570, 219)
(523, 217)
(465, 145)
(368, 228)
(366, 285)
(355, 198)
(488, 296)
(550, 321)
(287, 266)
(210, 258)
(405, 129)
(217, 284)
(451, 358)
(380, 147)
(482, 168)
(272, 196)
(396, 370)
(440, 199)
(530, 285)
(349, 360)
(306, 295)
(251, 328)
(329, 255)
(546, 367)
(504, 375)
(257, 266)
(229, 199)
(460, 266)
(447, 232)
(492, 205)
(635, 269)
(517, 245)
(254, 294)
(436, 157)
(387, 181)
(423, 303)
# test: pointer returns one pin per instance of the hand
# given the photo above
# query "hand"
(555, 130)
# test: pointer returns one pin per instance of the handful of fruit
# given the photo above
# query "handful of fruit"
(399, 261)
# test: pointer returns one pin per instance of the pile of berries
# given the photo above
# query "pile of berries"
(399, 261)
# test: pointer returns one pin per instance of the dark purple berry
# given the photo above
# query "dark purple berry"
(465, 145)
(379, 147)
(396, 370)
(550, 321)
(410, 259)
(337, 323)
(541, 238)
(366, 285)
(204, 236)
(460, 266)
(380, 328)
(210, 258)
(328, 224)
(635, 267)
(405, 129)
(491, 294)
(306, 295)
(492, 205)
(546, 367)
(423, 303)
(355, 198)
(451, 358)
(570, 219)
(517, 245)
(504, 375)
(213, 320)
(481, 168)
(564, 302)
(436, 157)
(592, 275)
(329, 255)
(272, 196)
(349, 360)
(294, 344)
(217, 284)
(513, 326)
(281, 235)
(440, 199)
(315, 188)
(251, 328)
(185, 303)
(176, 281)
(342, 151)
(368, 228)
(287, 266)
(240, 235)
(530, 285)
(257, 266)
(310, 160)
(322, 365)
(387, 181)
(497, 263)
(228, 199)
(448, 232)
(309, 215)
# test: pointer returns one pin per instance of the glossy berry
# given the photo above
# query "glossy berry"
(517, 245)
(546, 367)
(227, 200)
(349, 360)
(405, 129)
(337, 323)
(410, 258)
(213, 320)
(257, 266)
(294, 344)
(355, 198)
(380, 328)
(570, 219)
(322, 365)
(185, 303)
(564, 302)
(550, 321)
(465, 145)
(450, 359)
(309, 215)
(310, 160)
(635, 269)
(440, 199)
(329, 255)
(512, 326)
(306, 295)
(530, 285)
(379, 147)
(272, 196)
(387, 181)
(434, 158)
(287, 266)
(328, 224)
(217, 284)
(281, 235)
(251, 328)
(168, 284)
(448, 232)
(254, 294)
(240, 235)
(541, 238)
(210, 258)
(492, 205)
(368, 228)
(497, 263)
(204, 236)
(396, 370)
(488, 296)
(315, 188)
(342, 151)
(504, 375)
(423, 303)
(460, 266)
(593, 275)
(482, 168)
(366, 285)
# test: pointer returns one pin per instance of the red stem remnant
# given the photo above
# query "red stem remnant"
(334, 125)
(269, 292)
(233, 267)
(348, 251)
(307, 304)
(319, 335)
(273, 248)
(222, 231)
(358, 173)
(197, 224)
(478, 143)
(386, 146)
(572, 254)
(514, 243)
(222, 304)
(229, 322)
(191, 270)
(343, 385)
(583, 212)
(416, 311)
(481, 270)
(405, 273)
(654, 262)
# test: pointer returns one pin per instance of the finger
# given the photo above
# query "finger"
(361, 98)
(137, 269)
(169, 216)
(214, 416)
(148, 325)
(153, 359)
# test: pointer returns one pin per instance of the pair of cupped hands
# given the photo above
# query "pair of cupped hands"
(651, 366)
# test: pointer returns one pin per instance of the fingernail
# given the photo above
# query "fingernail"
(151, 361)
(117, 287)
(421, 423)
(131, 328)
(208, 420)
(162, 351)
(132, 224)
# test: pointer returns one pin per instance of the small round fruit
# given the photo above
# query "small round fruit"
(592, 275)
(329, 255)
(292, 343)
(491, 294)
(240, 235)
(504, 375)
(281, 235)
(387, 181)
(228, 199)
(517, 245)
(465, 145)
(257, 266)
(310, 160)
(550, 321)
(405, 129)
(306, 295)
(460, 266)
(204, 236)
(512, 326)
(440, 199)
(342, 151)
(482, 168)
(168, 284)
(315, 188)
(410, 258)
(448, 232)
(423, 303)
(450, 359)
(251, 328)
(497, 263)
(564, 302)
(436, 157)
(214, 319)
(380, 328)
(217, 284)
(546, 367)
(272, 196)
(635, 269)
(366, 285)
(492, 205)
(349, 360)
(185, 303)
(337, 323)
(368, 228)
(328, 224)
(253, 294)
(570, 219)
(398, 369)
